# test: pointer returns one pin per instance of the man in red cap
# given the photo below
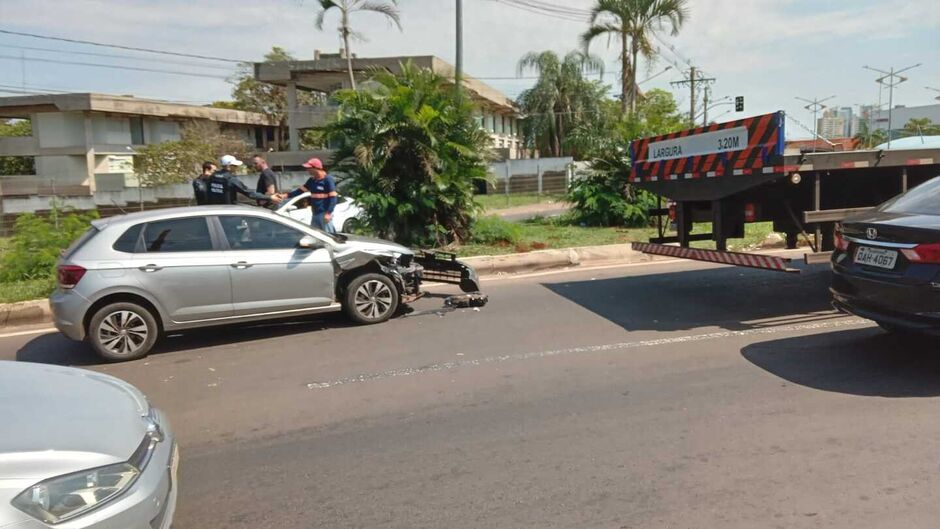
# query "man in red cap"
(322, 189)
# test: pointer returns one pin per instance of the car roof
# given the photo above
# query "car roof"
(169, 213)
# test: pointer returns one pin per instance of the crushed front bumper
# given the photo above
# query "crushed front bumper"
(443, 267)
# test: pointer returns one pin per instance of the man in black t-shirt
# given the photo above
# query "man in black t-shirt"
(224, 187)
(267, 180)
(201, 183)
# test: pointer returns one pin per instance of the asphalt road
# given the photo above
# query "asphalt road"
(666, 395)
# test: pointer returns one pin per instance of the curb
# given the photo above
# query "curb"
(25, 313)
(539, 260)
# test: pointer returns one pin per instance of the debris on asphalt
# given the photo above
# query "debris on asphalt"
(471, 299)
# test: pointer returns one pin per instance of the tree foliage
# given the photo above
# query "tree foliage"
(174, 162)
(561, 100)
(633, 23)
(38, 242)
(603, 196)
(410, 151)
(252, 95)
(16, 165)
(920, 127)
(868, 137)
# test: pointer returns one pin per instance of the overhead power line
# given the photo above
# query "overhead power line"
(120, 46)
(114, 67)
(116, 56)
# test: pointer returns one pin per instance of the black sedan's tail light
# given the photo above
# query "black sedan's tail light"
(923, 253)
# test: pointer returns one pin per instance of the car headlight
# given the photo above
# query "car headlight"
(62, 498)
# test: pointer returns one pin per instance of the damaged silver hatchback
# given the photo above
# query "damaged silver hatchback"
(129, 279)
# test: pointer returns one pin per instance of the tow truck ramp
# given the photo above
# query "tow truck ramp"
(750, 260)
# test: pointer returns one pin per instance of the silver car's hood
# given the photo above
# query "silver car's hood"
(371, 244)
(58, 420)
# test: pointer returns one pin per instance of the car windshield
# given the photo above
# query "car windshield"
(923, 200)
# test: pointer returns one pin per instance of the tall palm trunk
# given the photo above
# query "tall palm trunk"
(346, 31)
(635, 50)
(624, 72)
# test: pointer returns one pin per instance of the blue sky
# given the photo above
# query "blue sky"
(769, 51)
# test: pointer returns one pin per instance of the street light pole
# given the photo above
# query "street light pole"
(815, 105)
(888, 79)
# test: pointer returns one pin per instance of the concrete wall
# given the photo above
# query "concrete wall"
(64, 169)
(59, 129)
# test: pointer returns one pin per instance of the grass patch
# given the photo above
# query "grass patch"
(542, 234)
(26, 290)
(502, 201)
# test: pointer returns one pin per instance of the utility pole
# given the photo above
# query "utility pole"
(891, 79)
(691, 81)
(458, 75)
(705, 94)
(815, 105)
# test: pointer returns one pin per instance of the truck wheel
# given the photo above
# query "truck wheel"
(371, 298)
(122, 331)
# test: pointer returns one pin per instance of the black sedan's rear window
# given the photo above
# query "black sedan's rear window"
(922, 200)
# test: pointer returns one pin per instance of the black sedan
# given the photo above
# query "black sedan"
(886, 266)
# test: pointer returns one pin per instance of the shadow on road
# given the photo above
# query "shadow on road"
(56, 349)
(730, 298)
(868, 362)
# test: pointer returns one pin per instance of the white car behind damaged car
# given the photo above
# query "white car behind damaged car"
(82, 450)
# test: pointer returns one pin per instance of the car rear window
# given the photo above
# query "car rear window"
(189, 234)
(127, 242)
(923, 200)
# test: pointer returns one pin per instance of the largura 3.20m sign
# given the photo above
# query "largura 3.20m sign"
(716, 149)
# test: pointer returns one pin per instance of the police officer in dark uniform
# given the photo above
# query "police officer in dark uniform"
(201, 183)
(224, 187)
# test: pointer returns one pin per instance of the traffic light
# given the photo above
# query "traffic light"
(739, 104)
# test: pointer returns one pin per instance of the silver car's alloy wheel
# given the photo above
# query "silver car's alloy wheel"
(373, 299)
(123, 332)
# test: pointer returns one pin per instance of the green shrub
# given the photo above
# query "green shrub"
(37, 242)
(604, 199)
(494, 231)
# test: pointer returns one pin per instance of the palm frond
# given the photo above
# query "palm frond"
(389, 10)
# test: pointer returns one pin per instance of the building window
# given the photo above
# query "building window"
(137, 131)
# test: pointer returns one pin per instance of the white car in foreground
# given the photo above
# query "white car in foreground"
(345, 215)
(82, 449)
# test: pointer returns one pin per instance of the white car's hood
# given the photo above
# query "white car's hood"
(58, 420)
(371, 244)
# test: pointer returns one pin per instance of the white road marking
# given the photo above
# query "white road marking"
(25, 333)
(445, 366)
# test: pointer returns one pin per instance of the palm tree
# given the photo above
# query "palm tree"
(868, 137)
(635, 22)
(560, 97)
(347, 7)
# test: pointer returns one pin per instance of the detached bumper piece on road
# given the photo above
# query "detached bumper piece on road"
(443, 267)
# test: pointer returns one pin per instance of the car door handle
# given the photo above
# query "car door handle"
(150, 268)
(241, 265)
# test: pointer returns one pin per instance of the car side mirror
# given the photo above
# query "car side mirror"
(308, 243)
(290, 208)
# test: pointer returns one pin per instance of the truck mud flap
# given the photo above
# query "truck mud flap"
(749, 260)
(443, 267)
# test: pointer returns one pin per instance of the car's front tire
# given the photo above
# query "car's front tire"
(371, 298)
(122, 331)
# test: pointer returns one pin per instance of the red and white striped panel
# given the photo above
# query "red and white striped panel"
(752, 260)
